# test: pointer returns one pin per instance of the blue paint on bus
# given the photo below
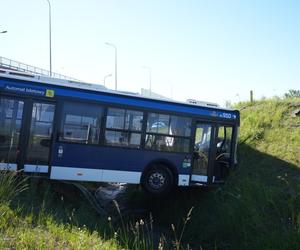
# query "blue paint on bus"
(103, 157)
(13, 86)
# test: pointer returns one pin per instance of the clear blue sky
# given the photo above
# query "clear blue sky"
(207, 50)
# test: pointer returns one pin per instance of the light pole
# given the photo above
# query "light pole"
(50, 42)
(116, 64)
(109, 75)
(150, 84)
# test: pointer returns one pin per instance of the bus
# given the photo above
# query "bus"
(74, 131)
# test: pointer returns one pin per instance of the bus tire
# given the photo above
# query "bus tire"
(158, 180)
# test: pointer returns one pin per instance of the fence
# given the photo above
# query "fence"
(18, 66)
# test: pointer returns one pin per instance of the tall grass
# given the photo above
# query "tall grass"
(11, 185)
(144, 235)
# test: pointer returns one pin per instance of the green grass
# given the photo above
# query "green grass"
(270, 128)
(35, 217)
(28, 233)
(257, 208)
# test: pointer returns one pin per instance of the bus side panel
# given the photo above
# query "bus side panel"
(109, 164)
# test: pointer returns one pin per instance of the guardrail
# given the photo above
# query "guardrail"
(18, 66)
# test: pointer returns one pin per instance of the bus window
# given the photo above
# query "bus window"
(224, 140)
(201, 149)
(81, 123)
(223, 156)
(180, 126)
(123, 127)
(158, 123)
(168, 133)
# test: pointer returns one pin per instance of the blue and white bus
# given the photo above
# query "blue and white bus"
(65, 130)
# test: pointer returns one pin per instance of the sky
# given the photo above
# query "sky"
(210, 50)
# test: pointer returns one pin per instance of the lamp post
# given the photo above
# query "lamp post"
(109, 75)
(150, 84)
(50, 38)
(116, 63)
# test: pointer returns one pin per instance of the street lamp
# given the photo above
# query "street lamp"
(116, 63)
(149, 70)
(109, 75)
(50, 42)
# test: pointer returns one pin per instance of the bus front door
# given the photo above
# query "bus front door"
(224, 152)
(202, 159)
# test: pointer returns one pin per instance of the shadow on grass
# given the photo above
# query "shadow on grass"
(257, 208)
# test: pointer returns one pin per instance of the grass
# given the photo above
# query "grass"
(257, 208)
(28, 233)
(32, 218)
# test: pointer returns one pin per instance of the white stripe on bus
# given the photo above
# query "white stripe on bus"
(8, 166)
(121, 176)
(201, 178)
(84, 174)
(75, 174)
(99, 175)
(103, 175)
(36, 168)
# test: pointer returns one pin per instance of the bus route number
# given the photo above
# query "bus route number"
(226, 115)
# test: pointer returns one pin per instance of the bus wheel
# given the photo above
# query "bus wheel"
(158, 180)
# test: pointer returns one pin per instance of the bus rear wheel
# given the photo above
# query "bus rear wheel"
(158, 180)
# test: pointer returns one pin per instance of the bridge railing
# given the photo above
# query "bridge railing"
(22, 67)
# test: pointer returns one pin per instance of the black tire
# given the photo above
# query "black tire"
(158, 180)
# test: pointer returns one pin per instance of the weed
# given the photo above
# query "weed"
(178, 238)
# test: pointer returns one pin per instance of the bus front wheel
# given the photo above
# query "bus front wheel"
(158, 180)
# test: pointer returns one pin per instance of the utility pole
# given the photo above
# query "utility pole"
(116, 63)
(50, 38)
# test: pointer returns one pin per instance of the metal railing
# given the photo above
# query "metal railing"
(7, 63)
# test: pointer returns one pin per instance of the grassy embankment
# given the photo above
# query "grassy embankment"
(258, 207)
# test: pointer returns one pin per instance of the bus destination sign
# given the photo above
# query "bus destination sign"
(30, 91)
